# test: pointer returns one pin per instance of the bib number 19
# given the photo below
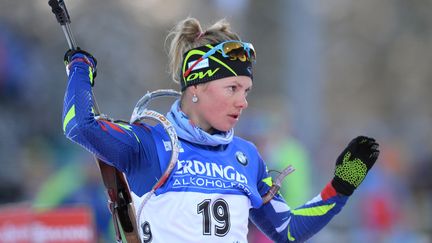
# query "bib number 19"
(220, 211)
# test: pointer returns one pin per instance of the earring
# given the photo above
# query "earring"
(194, 98)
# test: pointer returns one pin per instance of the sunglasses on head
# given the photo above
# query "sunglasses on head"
(234, 50)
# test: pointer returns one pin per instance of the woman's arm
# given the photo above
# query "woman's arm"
(116, 143)
(282, 224)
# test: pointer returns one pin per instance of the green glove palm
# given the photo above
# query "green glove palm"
(354, 163)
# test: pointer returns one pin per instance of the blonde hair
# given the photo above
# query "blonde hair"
(188, 34)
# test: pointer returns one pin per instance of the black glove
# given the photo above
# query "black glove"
(69, 57)
(354, 163)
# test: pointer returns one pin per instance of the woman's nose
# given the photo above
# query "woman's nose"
(242, 103)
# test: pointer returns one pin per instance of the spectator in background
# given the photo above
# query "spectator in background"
(12, 63)
(285, 150)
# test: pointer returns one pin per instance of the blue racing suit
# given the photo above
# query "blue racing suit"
(211, 193)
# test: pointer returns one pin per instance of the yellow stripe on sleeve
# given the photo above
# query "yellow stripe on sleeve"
(313, 211)
(70, 114)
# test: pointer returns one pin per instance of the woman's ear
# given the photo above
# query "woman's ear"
(194, 89)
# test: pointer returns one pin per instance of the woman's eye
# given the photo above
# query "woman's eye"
(232, 88)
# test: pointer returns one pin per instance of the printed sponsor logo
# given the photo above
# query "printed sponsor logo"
(207, 175)
(202, 64)
(241, 158)
(195, 167)
(209, 183)
(168, 146)
(23, 224)
(202, 75)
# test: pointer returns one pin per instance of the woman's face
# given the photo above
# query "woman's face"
(220, 103)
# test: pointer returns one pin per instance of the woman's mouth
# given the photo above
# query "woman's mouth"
(234, 116)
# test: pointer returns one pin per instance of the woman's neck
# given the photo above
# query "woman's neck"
(195, 118)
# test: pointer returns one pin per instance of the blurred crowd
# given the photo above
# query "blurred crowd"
(325, 73)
